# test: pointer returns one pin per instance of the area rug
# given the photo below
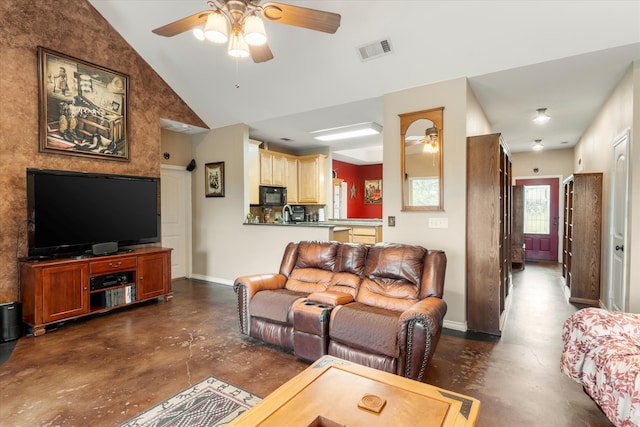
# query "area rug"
(211, 402)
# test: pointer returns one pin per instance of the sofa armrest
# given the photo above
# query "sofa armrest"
(420, 327)
(331, 298)
(246, 287)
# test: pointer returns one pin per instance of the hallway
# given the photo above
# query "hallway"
(104, 370)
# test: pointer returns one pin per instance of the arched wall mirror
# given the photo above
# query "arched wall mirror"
(421, 141)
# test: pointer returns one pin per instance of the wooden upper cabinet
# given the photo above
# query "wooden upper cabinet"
(278, 169)
(311, 179)
(266, 168)
(272, 168)
(303, 176)
(291, 181)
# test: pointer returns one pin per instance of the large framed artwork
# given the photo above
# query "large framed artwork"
(372, 191)
(214, 179)
(83, 107)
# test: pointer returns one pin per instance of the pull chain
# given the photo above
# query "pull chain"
(237, 84)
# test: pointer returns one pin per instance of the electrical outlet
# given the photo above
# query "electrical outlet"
(439, 222)
(391, 221)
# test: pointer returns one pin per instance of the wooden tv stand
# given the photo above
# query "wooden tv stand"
(61, 288)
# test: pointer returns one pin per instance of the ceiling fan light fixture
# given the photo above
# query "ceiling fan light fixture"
(254, 33)
(198, 32)
(537, 145)
(238, 47)
(430, 147)
(541, 116)
(215, 29)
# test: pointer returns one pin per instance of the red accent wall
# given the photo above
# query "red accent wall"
(355, 175)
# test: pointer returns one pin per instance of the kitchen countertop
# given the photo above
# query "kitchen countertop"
(337, 225)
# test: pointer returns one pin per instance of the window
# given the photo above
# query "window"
(536, 209)
(424, 191)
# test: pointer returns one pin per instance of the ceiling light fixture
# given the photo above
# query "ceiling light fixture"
(537, 145)
(430, 140)
(247, 29)
(344, 132)
(541, 116)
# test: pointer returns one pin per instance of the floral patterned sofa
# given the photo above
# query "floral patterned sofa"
(602, 352)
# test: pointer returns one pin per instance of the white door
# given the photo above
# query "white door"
(619, 249)
(175, 199)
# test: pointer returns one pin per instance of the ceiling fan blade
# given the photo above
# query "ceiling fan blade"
(260, 53)
(312, 19)
(184, 24)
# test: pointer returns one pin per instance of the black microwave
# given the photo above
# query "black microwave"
(273, 196)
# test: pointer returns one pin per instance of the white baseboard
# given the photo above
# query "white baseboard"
(212, 279)
(456, 326)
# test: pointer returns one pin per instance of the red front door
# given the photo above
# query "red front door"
(541, 218)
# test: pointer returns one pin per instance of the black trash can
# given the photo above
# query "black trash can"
(10, 321)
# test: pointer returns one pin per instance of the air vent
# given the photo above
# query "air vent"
(375, 49)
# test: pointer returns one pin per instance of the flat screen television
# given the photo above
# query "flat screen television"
(69, 212)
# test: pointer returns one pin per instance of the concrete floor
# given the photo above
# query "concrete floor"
(104, 370)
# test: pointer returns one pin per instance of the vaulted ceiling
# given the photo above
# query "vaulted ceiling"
(566, 56)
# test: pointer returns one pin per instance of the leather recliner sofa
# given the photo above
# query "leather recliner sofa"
(378, 306)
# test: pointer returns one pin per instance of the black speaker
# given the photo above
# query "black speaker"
(10, 321)
(192, 165)
(104, 248)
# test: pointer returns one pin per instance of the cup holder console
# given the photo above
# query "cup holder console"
(310, 329)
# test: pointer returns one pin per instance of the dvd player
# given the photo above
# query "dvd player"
(108, 280)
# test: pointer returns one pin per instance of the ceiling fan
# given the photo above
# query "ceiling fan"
(239, 22)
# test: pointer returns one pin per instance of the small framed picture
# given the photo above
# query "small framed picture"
(214, 179)
(372, 191)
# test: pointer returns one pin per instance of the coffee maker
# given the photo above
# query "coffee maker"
(297, 213)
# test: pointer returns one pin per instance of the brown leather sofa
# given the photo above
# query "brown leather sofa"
(379, 306)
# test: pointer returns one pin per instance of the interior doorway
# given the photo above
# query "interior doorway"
(618, 293)
(541, 218)
(175, 200)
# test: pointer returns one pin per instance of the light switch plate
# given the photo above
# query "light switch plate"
(442, 222)
(391, 221)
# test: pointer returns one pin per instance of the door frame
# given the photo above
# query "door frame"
(188, 221)
(560, 204)
(624, 137)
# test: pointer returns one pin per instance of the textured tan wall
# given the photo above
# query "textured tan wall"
(177, 146)
(75, 28)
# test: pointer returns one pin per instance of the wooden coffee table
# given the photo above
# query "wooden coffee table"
(332, 391)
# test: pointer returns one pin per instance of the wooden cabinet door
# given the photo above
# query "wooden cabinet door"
(154, 275)
(266, 168)
(308, 180)
(65, 292)
(292, 179)
(311, 179)
(278, 169)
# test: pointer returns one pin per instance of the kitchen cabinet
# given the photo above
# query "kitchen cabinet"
(291, 179)
(311, 179)
(266, 168)
(254, 172)
(367, 235)
(272, 168)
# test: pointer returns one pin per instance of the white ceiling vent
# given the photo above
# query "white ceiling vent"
(375, 49)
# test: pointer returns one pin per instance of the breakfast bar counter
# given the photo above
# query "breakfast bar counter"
(343, 230)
